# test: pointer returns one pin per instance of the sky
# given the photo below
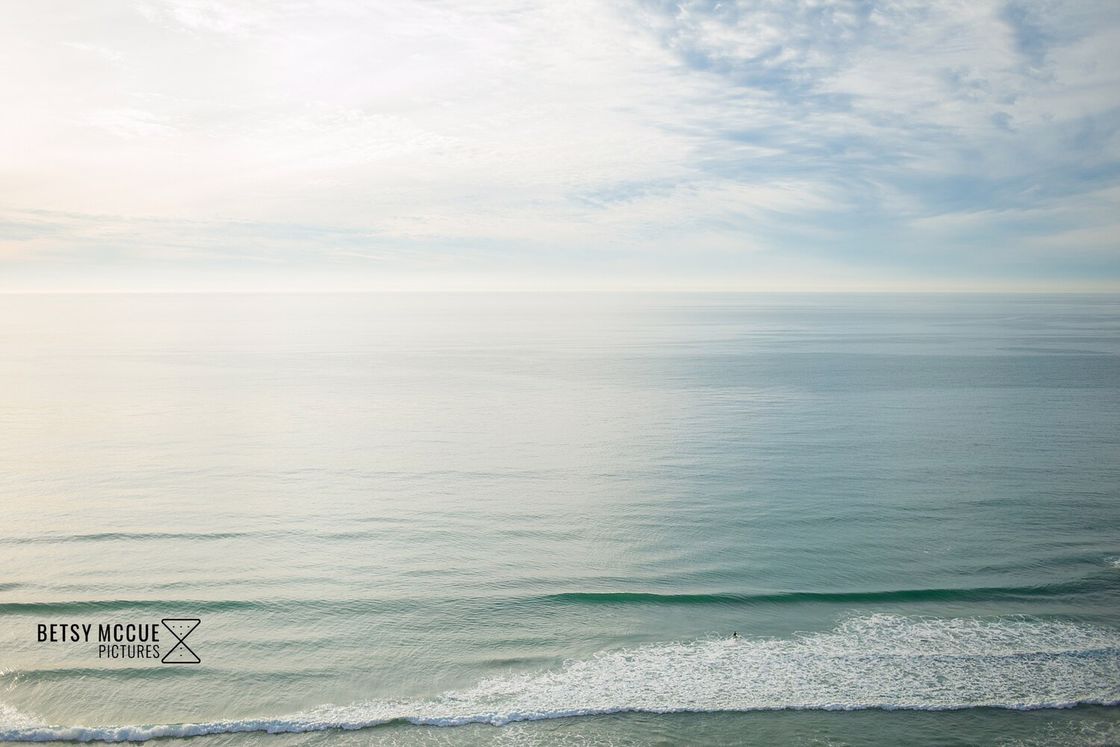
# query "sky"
(575, 145)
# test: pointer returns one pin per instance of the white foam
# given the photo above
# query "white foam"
(11, 719)
(881, 661)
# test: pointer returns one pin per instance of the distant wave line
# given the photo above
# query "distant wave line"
(844, 597)
(980, 593)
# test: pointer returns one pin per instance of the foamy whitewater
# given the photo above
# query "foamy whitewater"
(581, 520)
(882, 661)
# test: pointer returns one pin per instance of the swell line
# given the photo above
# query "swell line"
(983, 593)
(129, 536)
(795, 597)
(117, 605)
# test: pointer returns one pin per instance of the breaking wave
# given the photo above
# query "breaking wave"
(878, 661)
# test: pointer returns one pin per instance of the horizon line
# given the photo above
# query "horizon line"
(564, 291)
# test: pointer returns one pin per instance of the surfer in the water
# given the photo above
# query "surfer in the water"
(735, 634)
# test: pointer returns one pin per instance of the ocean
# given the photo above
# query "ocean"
(513, 519)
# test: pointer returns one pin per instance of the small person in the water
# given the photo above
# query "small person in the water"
(735, 634)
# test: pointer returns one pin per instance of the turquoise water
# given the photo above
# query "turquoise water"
(411, 519)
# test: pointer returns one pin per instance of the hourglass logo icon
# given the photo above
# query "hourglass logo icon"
(181, 653)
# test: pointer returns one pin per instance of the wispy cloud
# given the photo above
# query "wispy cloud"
(650, 142)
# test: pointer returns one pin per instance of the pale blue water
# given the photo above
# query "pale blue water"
(408, 519)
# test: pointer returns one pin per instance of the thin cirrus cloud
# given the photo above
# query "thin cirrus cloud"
(586, 144)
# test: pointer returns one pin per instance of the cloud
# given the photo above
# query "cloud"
(699, 139)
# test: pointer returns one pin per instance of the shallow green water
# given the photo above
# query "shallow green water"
(416, 517)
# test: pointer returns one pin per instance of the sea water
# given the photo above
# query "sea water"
(563, 519)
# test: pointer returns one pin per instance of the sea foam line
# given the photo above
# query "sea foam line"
(878, 661)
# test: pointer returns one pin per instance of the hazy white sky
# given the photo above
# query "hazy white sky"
(312, 144)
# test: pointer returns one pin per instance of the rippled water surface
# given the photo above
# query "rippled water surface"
(411, 519)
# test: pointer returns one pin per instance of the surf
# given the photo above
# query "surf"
(877, 661)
